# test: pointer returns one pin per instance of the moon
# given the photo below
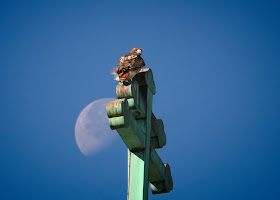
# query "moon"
(92, 130)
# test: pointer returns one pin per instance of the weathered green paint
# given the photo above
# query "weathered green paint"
(131, 115)
(160, 175)
(162, 186)
(148, 141)
(136, 166)
(115, 108)
(158, 137)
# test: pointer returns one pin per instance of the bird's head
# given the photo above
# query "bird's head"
(137, 51)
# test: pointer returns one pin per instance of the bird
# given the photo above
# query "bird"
(129, 65)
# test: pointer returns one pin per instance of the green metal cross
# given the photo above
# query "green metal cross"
(131, 115)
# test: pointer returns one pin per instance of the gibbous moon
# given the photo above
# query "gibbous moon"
(92, 130)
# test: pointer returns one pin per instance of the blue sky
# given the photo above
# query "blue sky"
(216, 68)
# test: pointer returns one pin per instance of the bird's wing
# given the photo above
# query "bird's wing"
(137, 63)
(141, 61)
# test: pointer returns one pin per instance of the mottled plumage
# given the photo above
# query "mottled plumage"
(129, 65)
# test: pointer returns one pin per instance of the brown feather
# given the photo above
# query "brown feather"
(129, 65)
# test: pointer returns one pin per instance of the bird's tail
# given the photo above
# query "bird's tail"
(116, 77)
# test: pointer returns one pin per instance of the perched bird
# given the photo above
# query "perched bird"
(129, 65)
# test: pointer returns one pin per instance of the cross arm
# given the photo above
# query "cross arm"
(128, 128)
(159, 175)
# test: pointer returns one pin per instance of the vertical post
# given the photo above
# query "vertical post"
(136, 166)
(139, 161)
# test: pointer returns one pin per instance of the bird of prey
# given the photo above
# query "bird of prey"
(129, 65)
